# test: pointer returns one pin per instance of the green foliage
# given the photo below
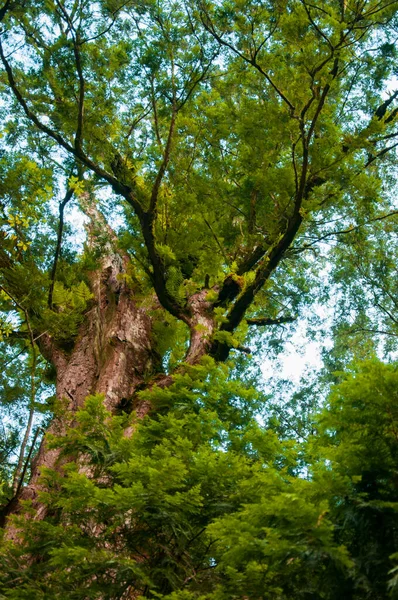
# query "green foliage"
(232, 141)
(170, 339)
(200, 504)
(174, 283)
(358, 444)
(9, 443)
(69, 306)
(189, 506)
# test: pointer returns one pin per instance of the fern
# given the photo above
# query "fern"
(174, 283)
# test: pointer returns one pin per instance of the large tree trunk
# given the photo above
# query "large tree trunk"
(112, 355)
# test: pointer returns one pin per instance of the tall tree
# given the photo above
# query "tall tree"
(209, 147)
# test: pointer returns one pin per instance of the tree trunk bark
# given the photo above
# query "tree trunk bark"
(112, 355)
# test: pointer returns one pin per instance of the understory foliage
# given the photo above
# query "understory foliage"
(201, 503)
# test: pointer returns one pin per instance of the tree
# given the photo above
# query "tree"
(190, 506)
(368, 300)
(210, 147)
(357, 435)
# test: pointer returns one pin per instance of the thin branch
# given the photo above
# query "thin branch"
(80, 115)
(376, 331)
(252, 60)
(393, 298)
(216, 240)
(198, 80)
(163, 166)
(118, 186)
(322, 101)
(266, 321)
(380, 154)
(141, 263)
(4, 9)
(389, 136)
(315, 26)
(27, 461)
(350, 229)
(295, 166)
(107, 29)
(31, 116)
(387, 312)
(287, 421)
(17, 474)
(319, 8)
(7, 362)
(136, 121)
(378, 8)
(62, 205)
(155, 115)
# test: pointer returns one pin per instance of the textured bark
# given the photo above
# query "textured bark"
(202, 326)
(112, 355)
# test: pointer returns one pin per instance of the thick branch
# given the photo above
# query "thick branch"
(4, 9)
(230, 289)
(79, 69)
(159, 272)
(264, 271)
(271, 261)
(219, 350)
(251, 261)
(382, 109)
(146, 219)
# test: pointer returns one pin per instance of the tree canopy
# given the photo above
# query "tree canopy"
(180, 181)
